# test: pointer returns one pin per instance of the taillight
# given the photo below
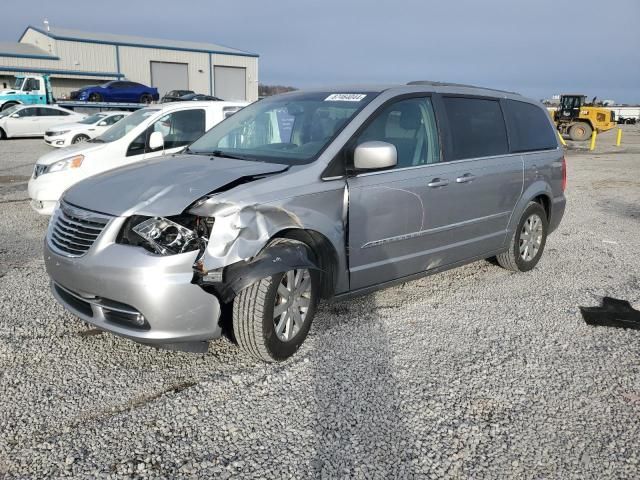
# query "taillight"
(564, 174)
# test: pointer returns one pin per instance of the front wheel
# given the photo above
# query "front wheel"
(581, 131)
(272, 317)
(528, 241)
(95, 97)
(80, 139)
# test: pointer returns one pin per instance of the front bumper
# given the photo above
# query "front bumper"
(57, 141)
(46, 190)
(133, 293)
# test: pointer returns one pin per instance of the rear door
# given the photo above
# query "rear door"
(488, 180)
(50, 117)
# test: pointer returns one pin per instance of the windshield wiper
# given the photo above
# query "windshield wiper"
(220, 153)
(96, 140)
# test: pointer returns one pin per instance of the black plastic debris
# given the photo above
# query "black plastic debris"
(612, 313)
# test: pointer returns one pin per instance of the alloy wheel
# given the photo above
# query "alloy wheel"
(531, 237)
(292, 302)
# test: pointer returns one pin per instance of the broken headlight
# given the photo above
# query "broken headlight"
(167, 235)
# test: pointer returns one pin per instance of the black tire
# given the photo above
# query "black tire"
(254, 327)
(3, 136)
(146, 98)
(580, 131)
(95, 97)
(79, 138)
(512, 259)
(8, 105)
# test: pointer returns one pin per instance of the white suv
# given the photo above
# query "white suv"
(146, 133)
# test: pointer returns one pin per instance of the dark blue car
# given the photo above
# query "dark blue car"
(117, 91)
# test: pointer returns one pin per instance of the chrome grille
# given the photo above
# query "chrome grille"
(73, 230)
(39, 170)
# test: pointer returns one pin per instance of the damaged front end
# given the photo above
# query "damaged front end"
(235, 243)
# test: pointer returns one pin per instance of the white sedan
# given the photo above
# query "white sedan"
(34, 120)
(86, 129)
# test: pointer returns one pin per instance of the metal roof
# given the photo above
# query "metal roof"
(135, 41)
(12, 49)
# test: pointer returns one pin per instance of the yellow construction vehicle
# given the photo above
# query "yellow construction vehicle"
(579, 119)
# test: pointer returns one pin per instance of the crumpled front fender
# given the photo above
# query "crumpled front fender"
(240, 231)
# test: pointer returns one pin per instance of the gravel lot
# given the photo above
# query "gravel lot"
(476, 372)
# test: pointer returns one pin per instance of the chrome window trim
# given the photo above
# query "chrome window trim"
(452, 162)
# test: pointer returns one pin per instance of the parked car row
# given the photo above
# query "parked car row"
(295, 198)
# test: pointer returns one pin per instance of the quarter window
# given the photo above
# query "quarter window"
(529, 127)
(477, 127)
(410, 126)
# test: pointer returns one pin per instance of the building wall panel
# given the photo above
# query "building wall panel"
(135, 63)
(249, 63)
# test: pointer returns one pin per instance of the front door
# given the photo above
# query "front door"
(391, 212)
(26, 123)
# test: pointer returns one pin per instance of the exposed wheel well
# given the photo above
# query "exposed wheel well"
(326, 256)
(546, 204)
(9, 104)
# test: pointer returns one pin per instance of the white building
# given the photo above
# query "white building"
(73, 59)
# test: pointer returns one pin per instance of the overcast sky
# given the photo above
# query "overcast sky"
(536, 47)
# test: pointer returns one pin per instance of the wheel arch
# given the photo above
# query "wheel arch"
(325, 253)
(539, 192)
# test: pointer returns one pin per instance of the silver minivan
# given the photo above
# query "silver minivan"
(305, 196)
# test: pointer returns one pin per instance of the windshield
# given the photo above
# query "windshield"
(125, 125)
(91, 119)
(292, 128)
(18, 84)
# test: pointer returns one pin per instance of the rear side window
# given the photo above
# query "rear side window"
(529, 127)
(476, 126)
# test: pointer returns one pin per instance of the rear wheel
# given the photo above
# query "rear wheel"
(95, 97)
(272, 317)
(581, 131)
(528, 241)
(146, 98)
(80, 138)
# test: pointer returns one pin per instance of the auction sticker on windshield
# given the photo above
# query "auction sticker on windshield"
(345, 97)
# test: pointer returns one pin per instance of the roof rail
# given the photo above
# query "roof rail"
(432, 83)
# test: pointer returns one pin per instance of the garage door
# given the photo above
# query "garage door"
(167, 76)
(230, 83)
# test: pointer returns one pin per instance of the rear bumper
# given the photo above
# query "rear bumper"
(132, 293)
(558, 206)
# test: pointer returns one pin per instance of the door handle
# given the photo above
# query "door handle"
(438, 182)
(467, 177)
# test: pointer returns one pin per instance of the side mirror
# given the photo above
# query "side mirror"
(15, 115)
(156, 141)
(102, 124)
(375, 155)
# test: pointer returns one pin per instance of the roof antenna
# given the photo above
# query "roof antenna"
(46, 24)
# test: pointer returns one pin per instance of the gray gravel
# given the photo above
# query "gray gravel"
(476, 372)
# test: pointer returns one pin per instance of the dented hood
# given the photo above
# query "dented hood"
(163, 186)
